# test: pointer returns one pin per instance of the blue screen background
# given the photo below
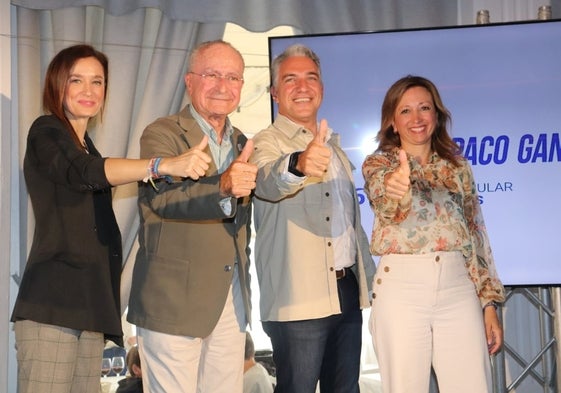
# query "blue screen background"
(502, 84)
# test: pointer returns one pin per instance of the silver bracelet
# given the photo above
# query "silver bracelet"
(491, 303)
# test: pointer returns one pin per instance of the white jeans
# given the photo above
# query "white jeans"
(425, 310)
(182, 364)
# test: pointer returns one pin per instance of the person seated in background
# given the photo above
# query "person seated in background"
(133, 382)
(255, 377)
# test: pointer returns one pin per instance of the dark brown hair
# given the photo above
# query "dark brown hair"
(441, 142)
(133, 359)
(57, 76)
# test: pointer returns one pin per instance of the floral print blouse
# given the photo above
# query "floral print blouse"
(440, 212)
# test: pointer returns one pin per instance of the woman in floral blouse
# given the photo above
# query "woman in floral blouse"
(436, 286)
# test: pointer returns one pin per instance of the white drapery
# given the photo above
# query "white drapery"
(310, 16)
(148, 54)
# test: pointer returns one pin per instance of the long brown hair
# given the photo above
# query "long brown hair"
(441, 142)
(57, 76)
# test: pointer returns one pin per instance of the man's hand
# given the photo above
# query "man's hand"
(239, 179)
(397, 183)
(315, 159)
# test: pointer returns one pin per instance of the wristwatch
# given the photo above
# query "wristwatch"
(292, 162)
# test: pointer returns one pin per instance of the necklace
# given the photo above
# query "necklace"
(85, 146)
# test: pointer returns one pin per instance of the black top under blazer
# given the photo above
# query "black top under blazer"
(72, 276)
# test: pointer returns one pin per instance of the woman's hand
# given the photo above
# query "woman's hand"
(493, 330)
(397, 183)
(193, 163)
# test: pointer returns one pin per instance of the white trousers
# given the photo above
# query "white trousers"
(182, 364)
(425, 310)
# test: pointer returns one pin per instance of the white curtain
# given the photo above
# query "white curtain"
(148, 54)
(309, 16)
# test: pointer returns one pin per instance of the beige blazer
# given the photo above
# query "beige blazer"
(188, 244)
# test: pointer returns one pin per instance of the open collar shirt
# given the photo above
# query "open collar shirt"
(304, 232)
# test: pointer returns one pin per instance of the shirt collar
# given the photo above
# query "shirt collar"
(291, 128)
(207, 128)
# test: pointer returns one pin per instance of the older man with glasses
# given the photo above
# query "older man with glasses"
(190, 296)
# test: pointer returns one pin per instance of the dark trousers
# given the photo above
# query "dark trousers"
(325, 349)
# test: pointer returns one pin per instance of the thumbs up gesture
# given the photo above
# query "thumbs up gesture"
(239, 179)
(315, 159)
(193, 163)
(397, 183)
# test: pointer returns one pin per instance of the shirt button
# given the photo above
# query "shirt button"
(373, 296)
(379, 281)
(386, 269)
(437, 259)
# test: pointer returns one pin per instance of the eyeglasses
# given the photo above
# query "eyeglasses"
(215, 77)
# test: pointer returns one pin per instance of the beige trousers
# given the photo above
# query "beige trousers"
(182, 364)
(425, 311)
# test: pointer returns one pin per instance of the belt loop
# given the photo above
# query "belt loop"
(342, 273)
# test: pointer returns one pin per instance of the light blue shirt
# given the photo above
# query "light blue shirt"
(342, 224)
(222, 153)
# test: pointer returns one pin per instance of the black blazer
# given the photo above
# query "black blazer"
(72, 276)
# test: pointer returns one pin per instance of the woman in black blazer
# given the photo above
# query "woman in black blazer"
(68, 299)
